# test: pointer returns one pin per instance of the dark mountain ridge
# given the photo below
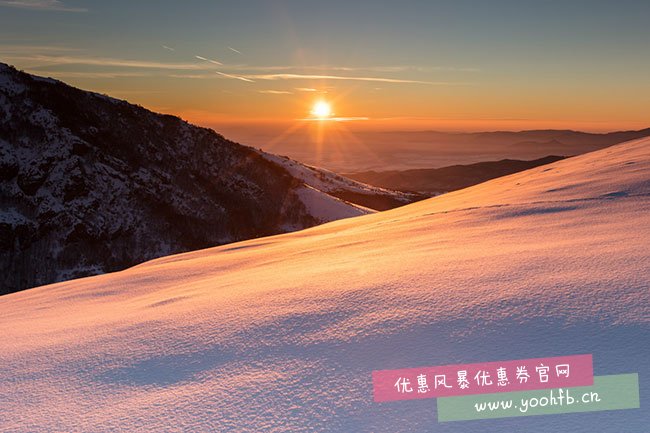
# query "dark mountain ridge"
(445, 179)
(91, 184)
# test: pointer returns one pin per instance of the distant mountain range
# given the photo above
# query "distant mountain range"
(439, 180)
(91, 184)
(405, 150)
(546, 138)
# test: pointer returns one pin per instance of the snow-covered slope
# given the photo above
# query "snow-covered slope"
(343, 187)
(281, 334)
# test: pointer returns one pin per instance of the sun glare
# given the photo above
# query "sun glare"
(321, 110)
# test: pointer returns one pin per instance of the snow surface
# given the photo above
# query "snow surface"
(325, 180)
(321, 185)
(327, 208)
(281, 333)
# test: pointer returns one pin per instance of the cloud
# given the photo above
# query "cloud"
(27, 49)
(343, 78)
(334, 119)
(209, 60)
(236, 77)
(46, 55)
(41, 5)
(234, 50)
(405, 68)
(106, 61)
(275, 92)
(75, 74)
(330, 68)
(192, 76)
(205, 69)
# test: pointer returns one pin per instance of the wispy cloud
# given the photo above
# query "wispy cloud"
(334, 119)
(276, 92)
(168, 48)
(251, 78)
(41, 5)
(83, 74)
(31, 49)
(236, 77)
(336, 68)
(234, 50)
(342, 78)
(192, 76)
(107, 61)
(406, 68)
(48, 56)
(209, 60)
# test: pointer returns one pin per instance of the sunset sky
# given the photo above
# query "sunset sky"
(450, 65)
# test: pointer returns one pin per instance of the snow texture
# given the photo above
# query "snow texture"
(282, 333)
(325, 180)
(326, 208)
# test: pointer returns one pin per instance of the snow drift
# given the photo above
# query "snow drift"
(281, 333)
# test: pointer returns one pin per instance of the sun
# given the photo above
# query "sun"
(321, 110)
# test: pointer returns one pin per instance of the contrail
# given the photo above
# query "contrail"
(236, 51)
(209, 60)
(236, 77)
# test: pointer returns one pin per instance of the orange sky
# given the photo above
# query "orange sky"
(507, 64)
